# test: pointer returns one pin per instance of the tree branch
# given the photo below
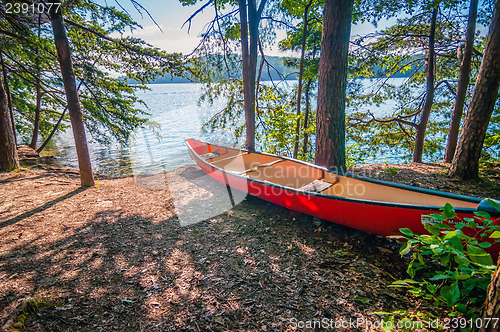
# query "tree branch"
(194, 14)
(261, 8)
(278, 21)
(138, 7)
(447, 83)
(29, 81)
(401, 119)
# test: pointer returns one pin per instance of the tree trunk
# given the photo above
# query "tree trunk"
(330, 122)
(466, 160)
(429, 98)
(463, 84)
(249, 20)
(8, 152)
(74, 108)
(9, 98)
(491, 308)
(47, 140)
(306, 118)
(301, 75)
(248, 95)
(36, 123)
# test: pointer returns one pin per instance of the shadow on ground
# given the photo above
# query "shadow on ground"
(116, 258)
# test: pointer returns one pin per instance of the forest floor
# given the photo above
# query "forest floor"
(119, 257)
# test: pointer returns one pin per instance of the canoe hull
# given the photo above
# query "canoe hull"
(369, 216)
(377, 219)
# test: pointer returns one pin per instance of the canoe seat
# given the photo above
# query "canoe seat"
(316, 186)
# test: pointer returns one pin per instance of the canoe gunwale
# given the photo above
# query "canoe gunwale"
(346, 174)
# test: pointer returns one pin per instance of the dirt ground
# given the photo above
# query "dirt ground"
(116, 258)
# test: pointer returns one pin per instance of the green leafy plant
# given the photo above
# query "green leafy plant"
(29, 307)
(391, 170)
(450, 266)
(405, 321)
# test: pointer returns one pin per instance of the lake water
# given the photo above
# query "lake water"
(175, 108)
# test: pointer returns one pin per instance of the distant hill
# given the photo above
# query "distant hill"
(277, 70)
(276, 67)
(416, 66)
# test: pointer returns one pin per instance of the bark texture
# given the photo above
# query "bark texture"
(8, 152)
(463, 84)
(36, 123)
(305, 142)
(249, 18)
(38, 87)
(74, 108)
(330, 121)
(491, 307)
(9, 98)
(466, 159)
(429, 97)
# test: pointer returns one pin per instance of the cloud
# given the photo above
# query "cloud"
(168, 39)
(176, 40)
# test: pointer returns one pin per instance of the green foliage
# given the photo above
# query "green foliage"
(110, 107)
(407, 321)
(24, 63)
(275, 115)
(278, 116)
(293, 10)
(354, 155)
(400, 51)
(276, 101)
(391, 170)
(397, 51)
(491, 150)
(449, 265)
(230, 117)
(31, 308)
(279, 120)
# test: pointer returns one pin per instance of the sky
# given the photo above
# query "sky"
(171, 15)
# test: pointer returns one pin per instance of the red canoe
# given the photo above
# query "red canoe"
(366, 204)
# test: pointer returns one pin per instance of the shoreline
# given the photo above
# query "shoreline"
(425, 175)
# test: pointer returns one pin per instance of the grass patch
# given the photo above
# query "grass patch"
(29, 307)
